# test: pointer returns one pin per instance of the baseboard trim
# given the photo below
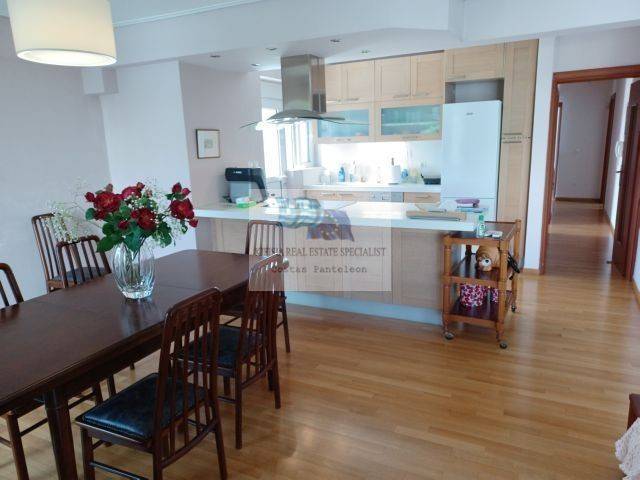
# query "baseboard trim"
(578, 200)
(531, 271)
(636, 291)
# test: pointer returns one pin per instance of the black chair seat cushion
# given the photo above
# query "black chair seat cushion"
(228, 346)
(130, 412)
(88, 274)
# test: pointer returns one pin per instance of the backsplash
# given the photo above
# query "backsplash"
(372, 158)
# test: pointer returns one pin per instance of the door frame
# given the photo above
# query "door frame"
(574, 76)
(607, 147)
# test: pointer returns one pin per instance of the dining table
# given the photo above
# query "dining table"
(60, 343)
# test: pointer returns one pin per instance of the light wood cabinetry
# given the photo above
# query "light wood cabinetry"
(350, 82)
(474, 63)
(230, 235)
(393, 78)
(517, 125)
(416, 271)
(406, 120)
(427, 197)
(358, 82)
(333, 83)
(340, 196)
(519, 87)
(360, 129)
(427, 76)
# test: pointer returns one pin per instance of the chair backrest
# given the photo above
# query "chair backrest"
(257, 342)
(9, 291)
(195, 322)
(264, 238)
(80, 261)
(46, 242)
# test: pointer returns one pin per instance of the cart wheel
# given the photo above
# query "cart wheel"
(513, 308)
(503, 345)
(449, 335)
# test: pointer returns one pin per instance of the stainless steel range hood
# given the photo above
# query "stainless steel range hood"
(303, 93)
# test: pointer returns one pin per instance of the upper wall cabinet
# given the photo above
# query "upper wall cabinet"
(393, 78)
(350, 82)
(357, 128)
(519, 88)
(427, 73)
(474, 63)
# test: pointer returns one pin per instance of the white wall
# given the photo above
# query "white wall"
(51, 135)
(621, 89)
(145, 134)
(607, 48)
(583, 130)
(224, 101)
(544, 76)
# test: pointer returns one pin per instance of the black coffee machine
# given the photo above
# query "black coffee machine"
(243, 182)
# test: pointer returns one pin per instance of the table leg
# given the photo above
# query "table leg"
(57, 407)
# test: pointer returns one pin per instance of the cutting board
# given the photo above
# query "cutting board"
(426, 215)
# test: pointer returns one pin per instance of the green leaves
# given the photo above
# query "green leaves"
(90, 214)
(107, 243)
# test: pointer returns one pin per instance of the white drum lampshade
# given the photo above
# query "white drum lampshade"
(77, 33)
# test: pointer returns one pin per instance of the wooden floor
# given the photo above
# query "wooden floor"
(370, 398)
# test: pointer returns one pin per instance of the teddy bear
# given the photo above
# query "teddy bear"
(487, 258)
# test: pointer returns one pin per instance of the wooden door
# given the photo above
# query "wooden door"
(626, 231)
(427, 76)
(333, 83)
(393, 78)
(474, 63)
(607, 148)
(358, 82)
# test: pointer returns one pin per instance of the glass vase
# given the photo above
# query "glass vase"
(134, 271)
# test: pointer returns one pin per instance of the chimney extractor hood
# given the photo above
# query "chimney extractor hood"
(303, 93)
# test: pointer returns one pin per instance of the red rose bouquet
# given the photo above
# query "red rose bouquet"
(139, 213)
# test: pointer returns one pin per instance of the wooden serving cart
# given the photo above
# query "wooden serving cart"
(504, 278)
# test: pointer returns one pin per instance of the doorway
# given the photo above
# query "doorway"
(604, 193)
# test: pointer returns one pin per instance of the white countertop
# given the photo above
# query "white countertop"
(376, 187)
(361, 214)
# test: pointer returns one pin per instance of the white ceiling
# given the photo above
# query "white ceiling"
(128, 12)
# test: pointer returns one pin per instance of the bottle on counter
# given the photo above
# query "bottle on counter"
(481, 228)
(341, 174)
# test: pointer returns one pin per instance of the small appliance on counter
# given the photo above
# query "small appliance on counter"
(241, 184)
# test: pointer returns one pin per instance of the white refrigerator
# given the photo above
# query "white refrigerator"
(471, 153)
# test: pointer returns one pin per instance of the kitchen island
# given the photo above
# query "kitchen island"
(365, 257)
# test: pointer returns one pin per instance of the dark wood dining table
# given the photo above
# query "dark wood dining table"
(68, 340)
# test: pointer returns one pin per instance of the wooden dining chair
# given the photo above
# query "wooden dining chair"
(81, 261)
(10, 295)
(46, 242)
(249, 352)
(154, 414)
(264, 238)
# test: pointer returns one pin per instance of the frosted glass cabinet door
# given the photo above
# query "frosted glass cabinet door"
(402, 121)
(357, 126)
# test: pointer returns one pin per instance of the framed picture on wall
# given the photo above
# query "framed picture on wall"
(208, 142)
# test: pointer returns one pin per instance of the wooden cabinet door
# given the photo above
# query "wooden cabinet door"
(231, 235)
(519, 87)
(393, 78)
(474, 63)
(358, 82)
(427, 197)
(417, 272)
(513, 183)
(322, 195)
(333, 83)
(427, 76)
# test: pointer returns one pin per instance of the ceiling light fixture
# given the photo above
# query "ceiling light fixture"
(215, 55)
(272, 49)
(335, 40)
(364, 52)
(255, 64)
(72, 33)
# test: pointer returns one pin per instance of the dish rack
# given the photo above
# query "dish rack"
(503, 278)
